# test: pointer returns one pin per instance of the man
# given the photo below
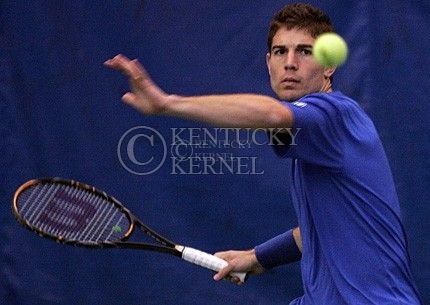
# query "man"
(351, 241)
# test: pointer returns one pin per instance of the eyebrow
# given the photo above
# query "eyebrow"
(299, 46)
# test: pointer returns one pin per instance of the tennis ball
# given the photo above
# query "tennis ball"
(330, 50)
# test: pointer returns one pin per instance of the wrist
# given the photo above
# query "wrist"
(171, 105)
(256, 268)
(277, 251)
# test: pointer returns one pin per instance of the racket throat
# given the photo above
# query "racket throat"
(179, 248)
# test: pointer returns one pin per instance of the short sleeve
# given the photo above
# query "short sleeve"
(316, 134)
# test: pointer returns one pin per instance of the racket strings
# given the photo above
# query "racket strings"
(35, 202)
(103, 225)
(72, 213)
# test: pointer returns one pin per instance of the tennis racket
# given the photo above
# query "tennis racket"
(78, 214)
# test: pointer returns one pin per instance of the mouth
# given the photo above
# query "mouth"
(289, 82)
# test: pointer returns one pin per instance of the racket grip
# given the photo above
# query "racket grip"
(208, 261)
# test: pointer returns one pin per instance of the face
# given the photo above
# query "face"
(293, 70)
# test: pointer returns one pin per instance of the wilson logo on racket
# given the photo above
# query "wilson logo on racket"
(62, 215)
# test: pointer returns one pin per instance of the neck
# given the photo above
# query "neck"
(326, 86)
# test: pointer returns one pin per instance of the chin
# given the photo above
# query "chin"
(290, 97)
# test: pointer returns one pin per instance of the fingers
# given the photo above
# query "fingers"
(223, 273)
(225, 255)
(118, 63)
(145, 96)
(132, 68)
(139, 67)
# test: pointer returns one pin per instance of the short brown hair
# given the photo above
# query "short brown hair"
(300, 16)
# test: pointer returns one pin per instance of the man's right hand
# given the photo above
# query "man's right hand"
(239, 261)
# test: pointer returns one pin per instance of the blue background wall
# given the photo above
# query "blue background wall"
(61, 115)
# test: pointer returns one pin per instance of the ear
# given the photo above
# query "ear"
(267, 63)
(329, 72)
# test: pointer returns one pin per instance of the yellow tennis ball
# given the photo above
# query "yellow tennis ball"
(330, 50)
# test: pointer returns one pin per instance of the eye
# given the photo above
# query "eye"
(279, 51)
(305, 52)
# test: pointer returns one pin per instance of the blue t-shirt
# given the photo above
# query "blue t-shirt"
(354, 245)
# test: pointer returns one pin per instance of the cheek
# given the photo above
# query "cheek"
(274, 75)
(272, 71)
(316, 77)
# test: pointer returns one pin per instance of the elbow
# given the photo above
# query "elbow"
(280, 117)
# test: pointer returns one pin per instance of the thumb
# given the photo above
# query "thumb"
(129, 98)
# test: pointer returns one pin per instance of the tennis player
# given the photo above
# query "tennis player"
(350, 239)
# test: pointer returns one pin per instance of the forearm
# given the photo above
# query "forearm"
(231, 111)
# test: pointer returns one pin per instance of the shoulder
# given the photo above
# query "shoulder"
(335, 100)
(333, 106)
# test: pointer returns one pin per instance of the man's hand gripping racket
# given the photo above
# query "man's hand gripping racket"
(74, 213)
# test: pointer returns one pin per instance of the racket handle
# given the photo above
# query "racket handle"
(208, 261)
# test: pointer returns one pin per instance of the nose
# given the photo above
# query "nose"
(291, 62)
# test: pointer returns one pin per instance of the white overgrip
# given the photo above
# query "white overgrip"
(208, 261)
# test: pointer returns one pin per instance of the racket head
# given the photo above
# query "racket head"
(72, 212)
